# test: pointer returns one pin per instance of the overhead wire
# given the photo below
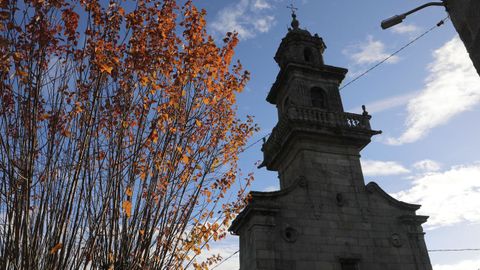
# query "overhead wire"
(395, 53)
(454, 250)
(430, 250)
(255, 142)
(226, 259)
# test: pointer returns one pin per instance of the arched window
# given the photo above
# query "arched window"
(307, 55)
(319, 98)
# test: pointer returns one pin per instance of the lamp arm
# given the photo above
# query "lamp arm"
(424, 6)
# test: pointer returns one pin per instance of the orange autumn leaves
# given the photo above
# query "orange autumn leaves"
(127, 204)
(127, 208)
(128, 109)
(70, 19)
(56, 248)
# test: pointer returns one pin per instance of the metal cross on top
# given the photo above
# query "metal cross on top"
(292, 8)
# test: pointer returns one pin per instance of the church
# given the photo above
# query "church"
(323, 217)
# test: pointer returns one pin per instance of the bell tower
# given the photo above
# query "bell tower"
(324, 216)
(310, 110)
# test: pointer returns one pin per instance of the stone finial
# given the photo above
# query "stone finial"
(295, 23)
(365, 113)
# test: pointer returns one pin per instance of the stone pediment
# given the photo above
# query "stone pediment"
(373, 187)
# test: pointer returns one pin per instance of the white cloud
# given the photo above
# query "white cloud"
(448, 197)
(271, 188)
(225, 248)
(427, 165)
(379, 168)
(369, 52)
(462, 265)
(452, 87)
(246, 17)
(261, 4)
(404, 28)
(264, 24)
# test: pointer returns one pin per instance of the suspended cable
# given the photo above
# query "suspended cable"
(396, 52)
(226, 259)
(255, 142)
(430, 250)
(454, 250)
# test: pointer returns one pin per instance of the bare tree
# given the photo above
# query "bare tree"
(118, 135)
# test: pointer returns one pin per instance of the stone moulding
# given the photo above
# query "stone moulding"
(409, 219)
(327, 71)
(263, 202)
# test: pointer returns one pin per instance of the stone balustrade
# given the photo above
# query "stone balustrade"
(316, 119)
(329, 119)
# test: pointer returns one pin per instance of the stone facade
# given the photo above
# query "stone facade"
(323, 217)
(465, 15)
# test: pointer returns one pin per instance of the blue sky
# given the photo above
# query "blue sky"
(426, 100)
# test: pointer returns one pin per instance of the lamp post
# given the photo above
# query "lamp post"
(399, 18)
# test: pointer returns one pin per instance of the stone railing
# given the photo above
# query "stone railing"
(329, 119)
(317, 120)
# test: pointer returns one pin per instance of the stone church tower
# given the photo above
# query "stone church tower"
(323, 217)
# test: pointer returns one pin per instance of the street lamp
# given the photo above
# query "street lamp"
(399, 18)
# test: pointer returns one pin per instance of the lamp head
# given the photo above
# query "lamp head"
(392, 21)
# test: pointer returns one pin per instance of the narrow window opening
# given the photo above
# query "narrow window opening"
(318, 98)
(286, 103)
(307, 55)
(349, 264)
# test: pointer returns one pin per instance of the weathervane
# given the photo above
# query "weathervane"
(292, 8)
(294, 23)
